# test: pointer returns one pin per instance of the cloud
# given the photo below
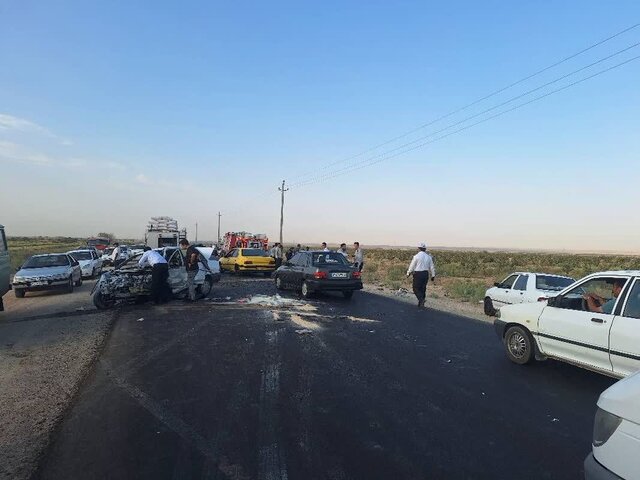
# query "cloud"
(13, 152)
(12, 123)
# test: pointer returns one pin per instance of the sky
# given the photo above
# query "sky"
(114, 112)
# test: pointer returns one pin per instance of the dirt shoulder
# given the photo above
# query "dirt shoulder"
(436, 298)
(43, 363)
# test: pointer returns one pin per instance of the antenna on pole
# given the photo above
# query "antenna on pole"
(219, 215)
(282, 189)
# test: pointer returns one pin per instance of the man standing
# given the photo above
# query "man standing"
(191, 264)
(358, 256)
(324, 247)
(279, 254)
(159, 274)
(421, 266)
(343, 250)
(115, 254)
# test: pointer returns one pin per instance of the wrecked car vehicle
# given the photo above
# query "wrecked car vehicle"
(130, 282)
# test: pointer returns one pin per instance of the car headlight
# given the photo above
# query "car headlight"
(604, 425)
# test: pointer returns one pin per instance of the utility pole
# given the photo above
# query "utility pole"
(219, 228)
(282, 189)
(196, 240)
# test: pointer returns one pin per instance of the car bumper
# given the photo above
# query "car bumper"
(499, 325)
(256, 268)
(595, 471)
(334, 285)
(34, 288)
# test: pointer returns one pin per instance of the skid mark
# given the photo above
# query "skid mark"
(271, 456)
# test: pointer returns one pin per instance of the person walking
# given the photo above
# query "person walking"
(343, 250)
(115, 255)
(191, 264)
(160, 292)
(421, 267)
(358, 256)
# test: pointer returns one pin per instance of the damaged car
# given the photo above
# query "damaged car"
(130, 282)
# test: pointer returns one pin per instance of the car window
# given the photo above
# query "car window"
(508, 282)
(253, 252)
(521, 283)
(550, 282)
(296, 259)
(328, 258)
(632, 308)
(73, 261)
(601, 286)
(176, 259)
(43, 261)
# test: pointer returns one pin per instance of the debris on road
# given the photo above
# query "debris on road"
(272, 301)
(140, 319)
(304, 331)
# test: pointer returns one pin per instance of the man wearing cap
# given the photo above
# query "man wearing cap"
(421, 267)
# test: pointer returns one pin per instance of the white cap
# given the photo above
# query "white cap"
(422, 245)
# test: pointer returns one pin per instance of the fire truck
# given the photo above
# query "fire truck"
(244, 240)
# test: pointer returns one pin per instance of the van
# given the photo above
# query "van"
(5, 267)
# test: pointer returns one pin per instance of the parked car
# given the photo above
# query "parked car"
(5, 267)
(47, 272)
(136, 249)
(616, 433)
(316, 271)
(248, 260)
(90, 263)
(129, 281)
(524, 287)
(605, 340)
(212, 260)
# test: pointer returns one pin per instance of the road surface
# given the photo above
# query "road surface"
(371, 388)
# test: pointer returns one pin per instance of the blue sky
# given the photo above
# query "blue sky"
(116, 112)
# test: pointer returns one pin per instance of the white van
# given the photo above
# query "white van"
(5, 267)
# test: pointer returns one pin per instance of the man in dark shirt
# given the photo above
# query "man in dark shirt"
(191, 264)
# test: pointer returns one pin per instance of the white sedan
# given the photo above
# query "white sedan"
(594, 323)
(523, 287)
(90, 263)
(616, 433)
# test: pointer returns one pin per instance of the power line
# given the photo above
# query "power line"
(475, 102)
(339, 173)
(512, 99)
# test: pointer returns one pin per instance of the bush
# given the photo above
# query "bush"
(466, 290)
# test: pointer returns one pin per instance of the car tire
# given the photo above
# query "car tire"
(279, 284)
(101, 302)
(306, 290)
(20, 292)
(205, 289)
(488, 307)
(69, 288)
(79, 282)
(519, 346)
(347, 294)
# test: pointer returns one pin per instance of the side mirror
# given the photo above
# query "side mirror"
(497, 284)
(554, 301)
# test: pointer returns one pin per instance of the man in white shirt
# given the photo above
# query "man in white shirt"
(343, 250)
(115, 254)
(160, 291)
(324, 247)
(358, 256)
(421, 267)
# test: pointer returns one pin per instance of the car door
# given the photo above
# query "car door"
(296, 271)
(624, 338)
(76, 271)
(502, 294)
(518, 293)
(177, 272)
(228, 260)
(568, 330)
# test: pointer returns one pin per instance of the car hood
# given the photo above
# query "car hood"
(523, 313)
(41, 272)
(621, 398)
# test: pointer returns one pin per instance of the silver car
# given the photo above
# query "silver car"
(47, 272)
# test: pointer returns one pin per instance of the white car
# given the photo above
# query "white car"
(214, 263)
(601, 334)
(616, 433)
(523, 287)
(90, 263)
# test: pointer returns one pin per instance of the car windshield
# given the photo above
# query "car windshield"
(43, 261)
(253, 252)
(329, 258)
(84, 255)
(549, 282)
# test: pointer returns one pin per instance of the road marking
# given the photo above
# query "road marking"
(271, 457)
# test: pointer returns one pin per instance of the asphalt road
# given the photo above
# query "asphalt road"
(371, 388)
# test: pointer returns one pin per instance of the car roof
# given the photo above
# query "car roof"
(48, 254)
(541, 273)
(79, 250)
(632, 273)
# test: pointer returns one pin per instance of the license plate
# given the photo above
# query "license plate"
(38, 284)
(339, 275)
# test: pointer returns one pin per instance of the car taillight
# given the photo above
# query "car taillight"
(320, 275)
(356, 274)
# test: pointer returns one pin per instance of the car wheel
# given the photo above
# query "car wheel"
(205, 288)
(279, 285)
(488, 307)
(70, 285)
(20, 292)
(347, 293)
(519, 346)
(79, 282)
(306, 291)
(101, 301)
